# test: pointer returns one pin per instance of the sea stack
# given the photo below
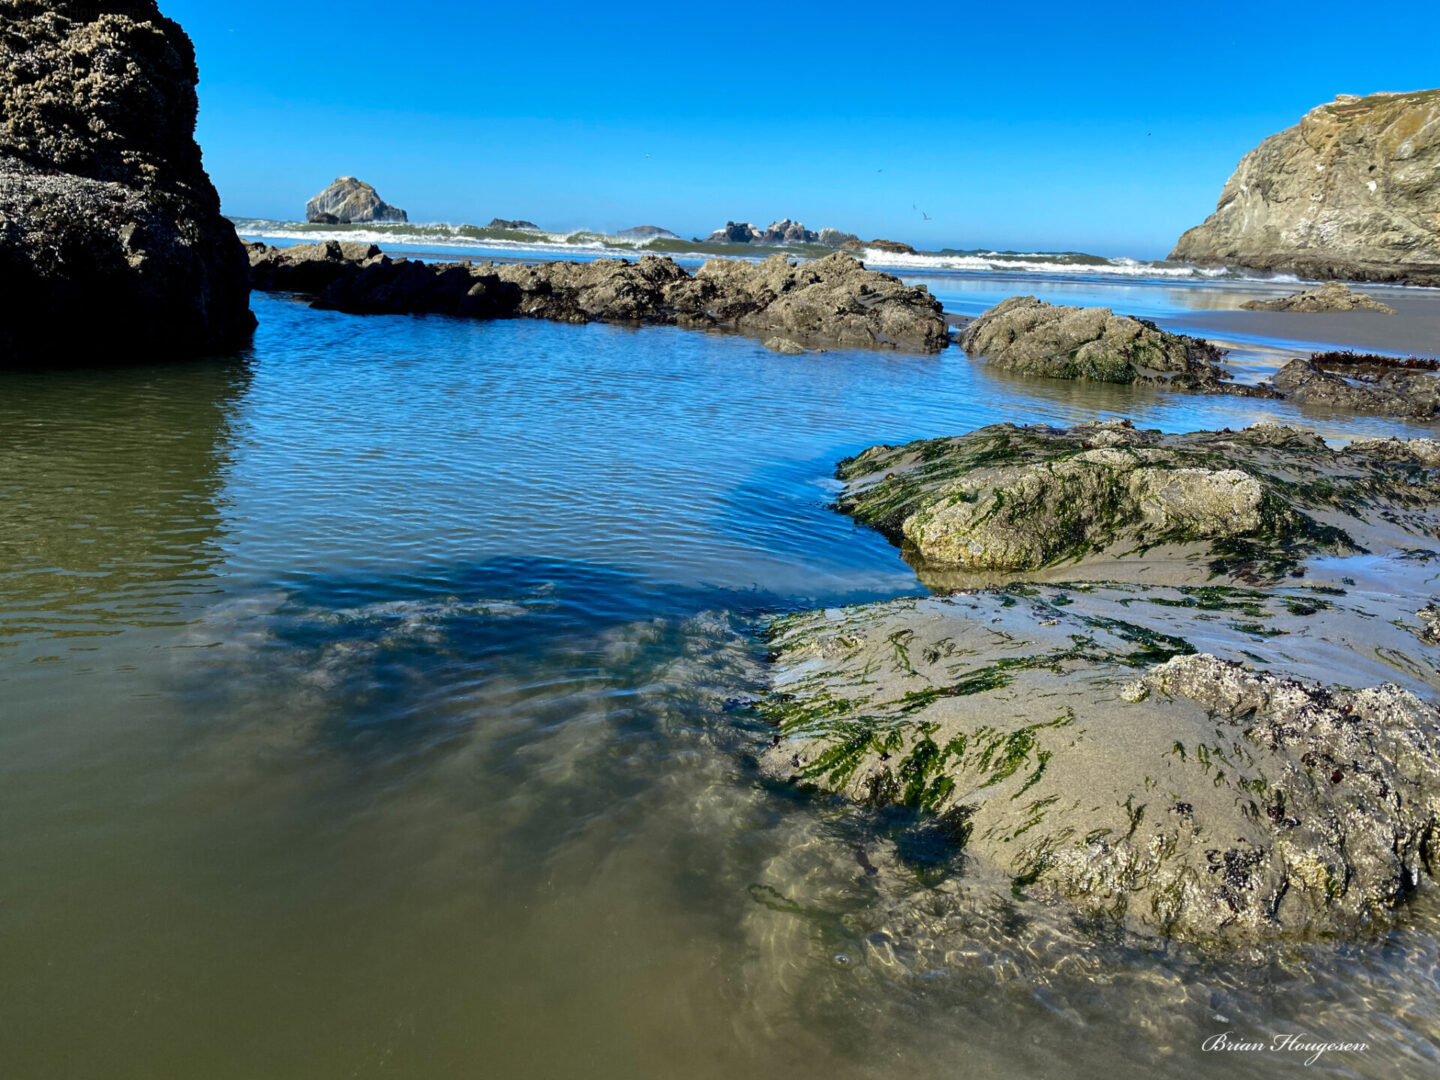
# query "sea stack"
(112, 246)
(348, 201)
(1349, 192)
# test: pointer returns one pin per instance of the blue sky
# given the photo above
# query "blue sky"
(1030, 126)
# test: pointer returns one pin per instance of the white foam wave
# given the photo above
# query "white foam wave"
(583, 243)
(1038, 263)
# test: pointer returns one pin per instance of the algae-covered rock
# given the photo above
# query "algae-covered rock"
(1031, 337)
(1018, 499)
(1104, 745)
(1392, 393)
(1349, 192)
(1332, 296)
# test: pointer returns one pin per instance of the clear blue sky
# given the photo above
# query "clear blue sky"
(1038, 125)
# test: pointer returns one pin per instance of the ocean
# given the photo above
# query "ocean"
(375, 703)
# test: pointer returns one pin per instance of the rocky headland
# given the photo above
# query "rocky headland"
(111, 238)
(834, 301)
(1350, 192)
(1172, 742)
(348, 201)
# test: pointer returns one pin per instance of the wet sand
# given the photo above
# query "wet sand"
(1414, 329)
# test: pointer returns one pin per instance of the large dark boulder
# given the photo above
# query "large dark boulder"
(112, 246)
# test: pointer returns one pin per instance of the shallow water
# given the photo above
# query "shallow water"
(373, 704)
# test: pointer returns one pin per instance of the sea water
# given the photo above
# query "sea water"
(374, 702)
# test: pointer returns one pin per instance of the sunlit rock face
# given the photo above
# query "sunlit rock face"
(1349, 192)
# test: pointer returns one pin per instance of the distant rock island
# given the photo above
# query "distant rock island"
(1349, 192)
(349, 201)
(647, 232)
(112, 246)
(517, 225)
(893, 247)
(784, 231)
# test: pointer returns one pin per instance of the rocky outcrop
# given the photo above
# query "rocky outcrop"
(306, 268)
(784, 231)
(1401, 393)
(1007, 499)
(1350, 192)
(1332, 296)
(348, 201)
(112, 246)
(1078, 741)
(1031, 337)
(830, 301)
(890, 247)
(516, 225)
(647, 232)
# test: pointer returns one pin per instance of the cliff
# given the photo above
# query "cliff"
(1352, 191)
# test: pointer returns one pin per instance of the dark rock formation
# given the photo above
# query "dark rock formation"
(518, 225)
(1350, 192)
(112, 246)
(1018, 499)
(891, 247)
(784, 231)
(1332, 296)
(1400, 393)
(831, 301)
(1032, 337)
(348, 201)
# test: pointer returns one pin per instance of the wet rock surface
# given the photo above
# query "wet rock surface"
(1032, 337)
(1146, 754)
(1332, 296)
(1400, 393)
(1349, 192)
(112, 246)
(347, 201)
(834, 301)
(1251, 503)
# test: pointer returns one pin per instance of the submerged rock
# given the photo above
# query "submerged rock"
(517, 225)
(1014, 499)
(784, 345)
(112, 245)
(1403, 393)
(1078, 740)
(1332, 296)
(1349, 192)
(348, 201)
(829, 301)
(1029, 336)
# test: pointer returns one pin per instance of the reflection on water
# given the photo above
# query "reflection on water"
(416, 741)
